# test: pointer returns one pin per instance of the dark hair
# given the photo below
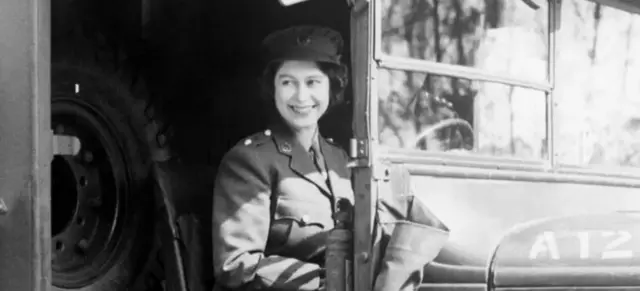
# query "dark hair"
(338, 80)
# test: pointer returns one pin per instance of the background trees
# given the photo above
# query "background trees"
(596, 76)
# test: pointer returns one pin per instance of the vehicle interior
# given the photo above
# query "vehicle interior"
(235, 31)
(199, 64)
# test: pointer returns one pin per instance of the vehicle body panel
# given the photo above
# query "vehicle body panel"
(580, 250)
(479, 213)
(25, 145)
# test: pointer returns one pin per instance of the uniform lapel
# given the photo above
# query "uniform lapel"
(300, 161)
(332, 163)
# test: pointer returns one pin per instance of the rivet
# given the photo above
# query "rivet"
(363, 257)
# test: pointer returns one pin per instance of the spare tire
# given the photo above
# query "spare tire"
(103, 209)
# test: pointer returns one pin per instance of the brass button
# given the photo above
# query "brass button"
(286, 147)
(305, 219)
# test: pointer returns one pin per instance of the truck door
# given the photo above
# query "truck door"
(508, 135)
(363, 178)
(25, 146)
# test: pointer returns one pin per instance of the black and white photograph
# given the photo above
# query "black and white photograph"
(320, 145)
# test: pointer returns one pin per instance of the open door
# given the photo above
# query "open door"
(363, 178)
(395, 235)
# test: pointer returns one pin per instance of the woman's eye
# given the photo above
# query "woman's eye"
(286, 82)
(313, 82)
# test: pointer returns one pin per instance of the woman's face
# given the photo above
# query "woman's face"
(301, 93)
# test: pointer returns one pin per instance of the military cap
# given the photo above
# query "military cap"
(309, 43)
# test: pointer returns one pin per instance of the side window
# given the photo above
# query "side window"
(421, 109)
(438, 114)
(500, 36)
(597, 90)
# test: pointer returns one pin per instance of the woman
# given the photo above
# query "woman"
(276, 191)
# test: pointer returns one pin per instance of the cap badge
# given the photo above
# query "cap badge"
(304, 40)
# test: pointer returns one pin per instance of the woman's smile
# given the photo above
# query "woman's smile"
(301, 94)
(303, 109)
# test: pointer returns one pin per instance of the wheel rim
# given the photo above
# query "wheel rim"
(88, 197)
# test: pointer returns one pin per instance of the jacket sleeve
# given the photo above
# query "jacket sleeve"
(241, 222)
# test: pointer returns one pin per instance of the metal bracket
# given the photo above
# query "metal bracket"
(381, 171)
(358, 148)
(66, 145)
(358, 5)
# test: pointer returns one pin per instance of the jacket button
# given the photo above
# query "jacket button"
(305, 219)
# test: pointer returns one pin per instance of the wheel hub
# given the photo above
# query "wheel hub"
(88, 191)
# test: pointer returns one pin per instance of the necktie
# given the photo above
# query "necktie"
(318, 160)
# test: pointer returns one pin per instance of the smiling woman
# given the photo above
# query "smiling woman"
(277, 190)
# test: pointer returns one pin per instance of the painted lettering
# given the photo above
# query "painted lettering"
(583, 238)
(611, 245)
(545, 243)
(611, 250)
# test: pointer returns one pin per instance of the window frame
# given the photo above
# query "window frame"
(474, 161)
(383, 61)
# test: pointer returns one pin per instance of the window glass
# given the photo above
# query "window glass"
(498, 36)
(507, 121)
(597, 92)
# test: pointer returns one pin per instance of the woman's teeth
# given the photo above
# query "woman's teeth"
(302, 109)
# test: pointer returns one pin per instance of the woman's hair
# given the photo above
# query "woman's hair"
(338, 80)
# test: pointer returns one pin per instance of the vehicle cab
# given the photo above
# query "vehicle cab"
(514, 122)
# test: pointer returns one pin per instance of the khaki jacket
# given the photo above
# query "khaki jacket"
(272, 210)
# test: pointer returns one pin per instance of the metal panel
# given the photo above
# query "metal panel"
(361, 47)
(480, 212)
(25, 145)
(415, 65)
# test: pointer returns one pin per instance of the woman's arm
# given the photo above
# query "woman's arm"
(241, 221)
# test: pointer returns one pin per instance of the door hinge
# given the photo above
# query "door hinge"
(358, 148)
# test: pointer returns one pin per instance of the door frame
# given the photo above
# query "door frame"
(25, 145)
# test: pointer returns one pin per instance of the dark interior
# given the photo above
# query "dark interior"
(238, 29)
(200, 60)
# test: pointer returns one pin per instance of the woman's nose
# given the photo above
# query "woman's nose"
(303, 93)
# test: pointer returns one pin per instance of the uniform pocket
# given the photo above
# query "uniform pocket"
(299, 228)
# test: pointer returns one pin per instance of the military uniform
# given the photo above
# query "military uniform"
(273, 200)
(272, 212)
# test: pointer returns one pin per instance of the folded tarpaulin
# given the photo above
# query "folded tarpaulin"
(407, 236)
